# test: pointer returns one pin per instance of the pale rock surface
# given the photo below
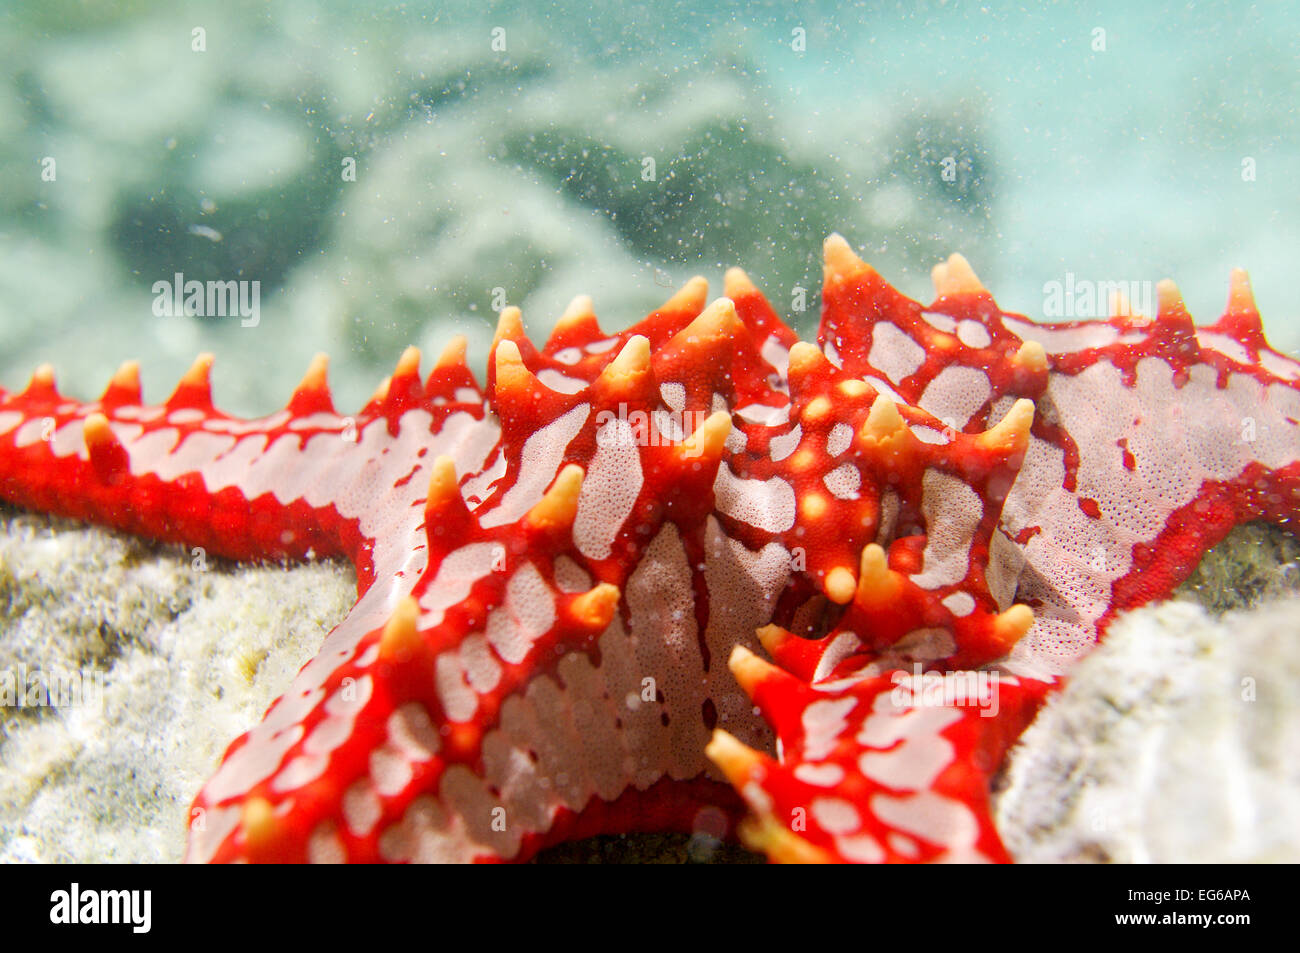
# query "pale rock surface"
(189, 658)
(1176, 741)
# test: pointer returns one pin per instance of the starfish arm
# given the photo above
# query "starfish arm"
(1153, 437)
(876, 768)
(299, 482)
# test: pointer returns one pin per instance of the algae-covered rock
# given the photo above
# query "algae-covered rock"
(175, 656)
(1175, 740)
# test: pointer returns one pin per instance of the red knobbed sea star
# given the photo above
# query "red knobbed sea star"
(566, 579)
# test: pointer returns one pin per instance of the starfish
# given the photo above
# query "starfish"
(566, 577)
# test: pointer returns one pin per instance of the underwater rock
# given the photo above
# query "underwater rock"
(187, 655)
(1173, 742)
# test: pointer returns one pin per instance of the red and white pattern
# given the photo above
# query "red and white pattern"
(565, 577)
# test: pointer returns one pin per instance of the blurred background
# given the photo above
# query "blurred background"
(383, 169)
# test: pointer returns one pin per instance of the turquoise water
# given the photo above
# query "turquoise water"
(500, 155)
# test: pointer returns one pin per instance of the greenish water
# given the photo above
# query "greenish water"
(506, 153)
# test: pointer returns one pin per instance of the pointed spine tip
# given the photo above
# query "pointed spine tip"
(381, 392)
(444, 488)
(404, 385)
(513, 378)
(841, 262)
(709, 438)
(123, 387)
(629, 368)
(450, 373)
(1121, 309)
(558, 508)
(507, 351)
(1031, 357)
(717, 321)
(690, 298)
(127, 377)
(806, 358)
(43, 378)
(883, 419)
(580, 310)
(199, 376)
(1011, 434)
(773, 637)
(510, 325)
(578, 321)
(1241, 321)
(195, 386)
(595, 609)
(1010, 626)
(257, 822)
(1169, 300)
(738, 761)
(955, 276)
(312, 395)
(736, 284)
(316, 377)
(96, 431)
(749, 670)
(1241, 298)
(841, 586)
(453, 355)
(108, 458)
(400, 639)
(877, 583)
(408, 365)
(764, 834)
